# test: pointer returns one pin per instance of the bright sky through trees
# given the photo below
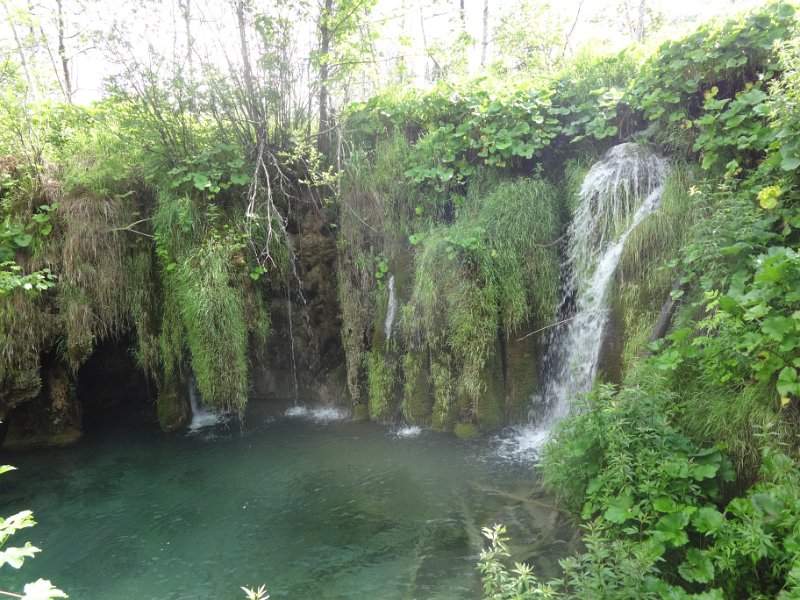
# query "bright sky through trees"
(405, 36)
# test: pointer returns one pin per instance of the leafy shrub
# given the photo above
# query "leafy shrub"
(651, 504)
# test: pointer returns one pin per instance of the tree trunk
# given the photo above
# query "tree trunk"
(62, 53)
(485, 37)
(252, 99)
(323, 140)
(23, 60)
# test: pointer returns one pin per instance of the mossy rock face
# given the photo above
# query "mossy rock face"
(360, 412)
(173, 405)
(417, 396)
(53, 418)
(445, 406)
(402, 267)
(382, 381)
(489, 405)
(466, 430)
(522, 357)
(609, 360)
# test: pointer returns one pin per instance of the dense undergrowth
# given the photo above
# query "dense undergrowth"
(684, 478)
(140, 242)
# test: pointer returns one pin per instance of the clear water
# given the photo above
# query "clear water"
(309, 503)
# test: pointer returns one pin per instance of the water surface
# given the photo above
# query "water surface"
(311, 504)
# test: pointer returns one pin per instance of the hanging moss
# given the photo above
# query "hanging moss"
(493, 270)
(644, 277)
(376, 207)
(489, 404)
(381, 377)
(522, 356)
(417, 397)
(172, 404)
(445, 407)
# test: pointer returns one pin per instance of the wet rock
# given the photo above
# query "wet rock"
(53, 418)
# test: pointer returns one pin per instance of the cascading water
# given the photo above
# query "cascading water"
(200, 416)
(391, 309)
(618, 192)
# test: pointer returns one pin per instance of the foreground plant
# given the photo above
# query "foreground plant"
(40, 589)
(256, 594)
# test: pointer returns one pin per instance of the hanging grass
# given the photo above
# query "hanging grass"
(212, 309)
(644, 276)
(493, 270)
(213, 316)
(376, 207)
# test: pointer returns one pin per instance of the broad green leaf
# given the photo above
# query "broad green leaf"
(671, 528)
(620, 509)
(766, 505)
(790, 163)
(665, 504)
(708, 520)
(23, 240)
(697, 567)
(788, 382)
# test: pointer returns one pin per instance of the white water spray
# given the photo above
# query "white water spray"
(618, 192)
(391, 309)
(201, 417)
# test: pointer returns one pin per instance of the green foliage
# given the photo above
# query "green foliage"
(500, 583)
(735, 52)
(210, 306)
(651, 497)
(15, 556)
(212, 171)
(621, 454)
(491, 271)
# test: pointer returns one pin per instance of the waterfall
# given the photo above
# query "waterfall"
(618, 192)
(201, 417)
(390, 309)
(301, 298)
(303, 302)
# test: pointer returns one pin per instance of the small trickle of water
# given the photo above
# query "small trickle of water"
(390, 309)
(201, 417)
(303, 301)
(618, 192)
